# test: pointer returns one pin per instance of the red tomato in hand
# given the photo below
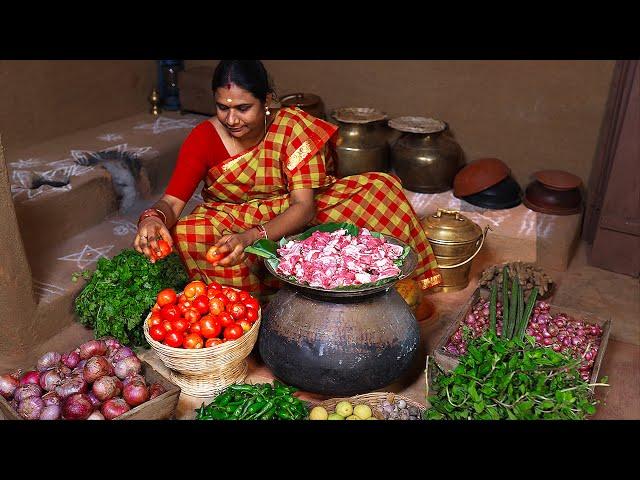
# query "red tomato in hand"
(173, 339)
(232, 295)
(236, 310)
(233, 331)
(170, 312)
(193, 340)
(180, 325)
(225, 319)
(210, 326)
(201, 303)
(165, 248)
(216, 306)
(251, 314)
(212, 341)
(194, 289)
(213, 256)
(166, 297)
(192, 315)
(157, 333)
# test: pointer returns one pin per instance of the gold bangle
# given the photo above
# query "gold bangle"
(153, 212)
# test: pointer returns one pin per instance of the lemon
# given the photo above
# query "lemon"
(353, 417)
(344, 408)
(318, 413)
(363, 411)
(372, 418)
(335, 416)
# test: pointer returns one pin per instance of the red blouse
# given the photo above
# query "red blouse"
(200, 151)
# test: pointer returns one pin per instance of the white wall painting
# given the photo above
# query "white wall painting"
(87, 255)
(163, 124)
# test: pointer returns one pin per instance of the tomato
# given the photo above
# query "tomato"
(183, 307)
(246, 326)
(201, 303)
(154, 319)
(156, 308)
(165, 248)
(193, 340)
(225, 319)
(195, 288)
(180, 325)
(233, 331)
(243, 296)
(167, 326)
(173, 339)
(212, 341)
(216, 306)
(157, 333)
(170, 312)
(236, 310)
(182, 298)
(210, 326)
(222, 297)
(192, 315)
(166, 297)
(214, 286)
(232, 295)
(251, 303)
(252, 315)
(195, 328)
(213, 256)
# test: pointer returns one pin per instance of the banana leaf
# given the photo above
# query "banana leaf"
(263, 248)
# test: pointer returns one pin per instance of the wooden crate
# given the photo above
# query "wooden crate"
(162, 407)
(448, 362)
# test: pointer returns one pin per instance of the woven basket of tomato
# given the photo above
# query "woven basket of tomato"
(204, 335)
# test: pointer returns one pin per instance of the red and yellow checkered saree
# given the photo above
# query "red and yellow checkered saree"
(253, 187)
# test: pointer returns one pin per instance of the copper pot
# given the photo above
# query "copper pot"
(554, 192)
(310, 103)
(479, 175)
(425, 157)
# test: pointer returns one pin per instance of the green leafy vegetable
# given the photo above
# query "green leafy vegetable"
(121, 292)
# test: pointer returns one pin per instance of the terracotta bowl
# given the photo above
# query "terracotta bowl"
(479, 175)
(543, 199)
(505, 194)
(558, 179)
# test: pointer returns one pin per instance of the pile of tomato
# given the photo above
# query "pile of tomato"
(202, 315)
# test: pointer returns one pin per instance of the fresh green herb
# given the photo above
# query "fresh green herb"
(121, 292)
(505, 302)
(511, 379)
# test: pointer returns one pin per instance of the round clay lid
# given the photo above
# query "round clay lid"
(558, 179)
(358, 115)
(299, 100)
(417, 124)
(479, 175)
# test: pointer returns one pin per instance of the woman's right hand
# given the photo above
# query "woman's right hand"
(150, 230)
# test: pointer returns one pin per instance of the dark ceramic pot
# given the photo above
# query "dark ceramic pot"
(543, 199)
(505, 194)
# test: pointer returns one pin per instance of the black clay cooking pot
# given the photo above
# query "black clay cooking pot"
(505, 194)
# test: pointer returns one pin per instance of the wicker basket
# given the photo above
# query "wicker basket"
(374, 400)
(205, 372)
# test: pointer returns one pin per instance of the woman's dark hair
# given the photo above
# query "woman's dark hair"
(247, 74)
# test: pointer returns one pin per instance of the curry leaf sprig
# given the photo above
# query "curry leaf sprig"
(121, 292)
(511, 379)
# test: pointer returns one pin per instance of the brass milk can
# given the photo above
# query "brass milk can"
(455, 241)
(310, 103)
(361, 145)
(425, 157)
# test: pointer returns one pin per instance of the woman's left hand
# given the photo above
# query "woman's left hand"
(232, 246)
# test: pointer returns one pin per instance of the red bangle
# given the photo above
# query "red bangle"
(263, 231)
(153, 212)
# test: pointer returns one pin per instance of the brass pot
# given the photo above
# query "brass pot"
(425, 157)
(455, 241)
(310, 103)
(362, 144)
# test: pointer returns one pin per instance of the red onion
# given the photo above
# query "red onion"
(576, 340)
(135, 393)
(26, 391)
(71, 359)
(31, 376)
(121, 354)
(51, 412)
(114, 407)
(92, 348)
(71, 386)
(51, 398)
(547, 341)
(48, 360)
(96, 415)
(106, 387)
(30, 408)
(132, 378)
(8, 385)
(50, 379)
(95, 368)
(112, 343)
(156, 390)
(77, 407)
(127, 366)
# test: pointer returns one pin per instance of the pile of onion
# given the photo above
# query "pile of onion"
(99, 380)
(560, 332)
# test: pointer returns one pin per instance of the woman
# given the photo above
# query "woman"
(265, 177)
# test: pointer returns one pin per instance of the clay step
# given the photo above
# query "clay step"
(56, 197)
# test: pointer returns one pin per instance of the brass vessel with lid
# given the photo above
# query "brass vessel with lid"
(308, 102)
(455, 241)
